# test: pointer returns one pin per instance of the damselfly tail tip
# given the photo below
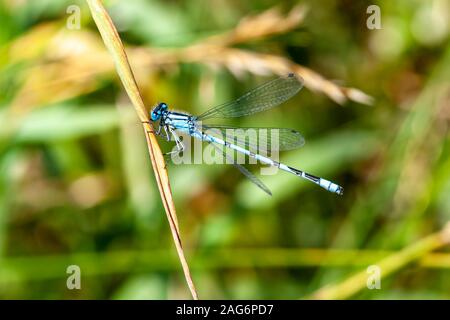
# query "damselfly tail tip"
(331, 186)
(336, 189)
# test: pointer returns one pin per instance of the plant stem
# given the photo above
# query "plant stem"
(115, 47)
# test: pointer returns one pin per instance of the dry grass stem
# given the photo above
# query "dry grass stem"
(114, 44)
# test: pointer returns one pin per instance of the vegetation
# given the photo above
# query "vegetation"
(77, 185)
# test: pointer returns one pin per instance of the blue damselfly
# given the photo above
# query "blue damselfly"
(266, 96)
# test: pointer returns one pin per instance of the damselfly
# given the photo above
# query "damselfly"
(266, 96)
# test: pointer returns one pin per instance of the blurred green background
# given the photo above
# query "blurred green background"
(76, 186)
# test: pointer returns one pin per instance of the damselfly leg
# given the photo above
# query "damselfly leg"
(178, 143)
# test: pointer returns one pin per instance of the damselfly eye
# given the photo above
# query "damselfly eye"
(154, 115)
(157, 111)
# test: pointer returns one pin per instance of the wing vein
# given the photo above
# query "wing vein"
(266, 96)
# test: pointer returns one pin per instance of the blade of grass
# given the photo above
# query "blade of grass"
(45, 267)
(114, 44)
(388, 265)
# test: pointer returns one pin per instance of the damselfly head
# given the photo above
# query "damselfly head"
(157, 111)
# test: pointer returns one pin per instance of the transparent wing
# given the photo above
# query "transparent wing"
(244, 171)
(258, 138)
(266, 96)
